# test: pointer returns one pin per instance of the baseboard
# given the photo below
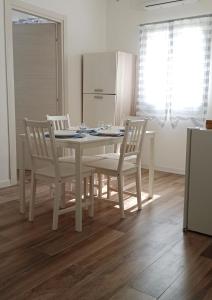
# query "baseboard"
(167, 170)
(4, 183)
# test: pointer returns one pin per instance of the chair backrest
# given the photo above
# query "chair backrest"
(133, 140)
(60, 122)
(41, 144)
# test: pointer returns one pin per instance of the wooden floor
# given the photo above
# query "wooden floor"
(144, 257)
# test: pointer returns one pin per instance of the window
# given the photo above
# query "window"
(174, 70)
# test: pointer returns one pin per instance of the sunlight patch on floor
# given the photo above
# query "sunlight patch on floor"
(130, 203)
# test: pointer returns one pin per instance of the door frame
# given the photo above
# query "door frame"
(18, 5)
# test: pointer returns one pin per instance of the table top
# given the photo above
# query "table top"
(95, 138)
(92, 140)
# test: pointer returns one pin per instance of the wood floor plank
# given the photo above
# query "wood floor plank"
(208, 252)
(105, 260)
(195, 283)
(110, 270)
(128, 293)
(102, 239)
(47, 267)
(157, 278)
(58, 286)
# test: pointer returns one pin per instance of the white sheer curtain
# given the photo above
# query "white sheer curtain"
(174, 70)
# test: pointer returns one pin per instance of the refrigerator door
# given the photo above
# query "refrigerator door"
(199, 185)
(98, 108)
(99, 73)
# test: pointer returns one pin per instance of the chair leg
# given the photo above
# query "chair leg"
(120, 193)
(138, 189)
(32, 198)
(85, 192)
(63, 199)
(108, 187)
(100, 185)
(85, 187)
(96, 183)
(91, 204)
(71, 187)
(56, 205)
(51, 190)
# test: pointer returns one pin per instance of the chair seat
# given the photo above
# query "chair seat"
(85, 158)
(131, 159)
(109, 165)
(66, 170)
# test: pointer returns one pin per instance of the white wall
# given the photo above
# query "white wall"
(4, 148)
(123, 18)
(86, 32)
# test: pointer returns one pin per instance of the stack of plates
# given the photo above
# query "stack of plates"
(67, 134)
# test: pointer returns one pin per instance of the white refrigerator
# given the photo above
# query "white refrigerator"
(198, 187)
(108, 87)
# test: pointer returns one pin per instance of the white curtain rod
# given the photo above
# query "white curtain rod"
(179, 19)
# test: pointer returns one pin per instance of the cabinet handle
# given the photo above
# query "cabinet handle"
(98, 97)
(98, 90)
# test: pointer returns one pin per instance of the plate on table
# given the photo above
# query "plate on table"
(87, 130)
(108, 133)
(67, 134)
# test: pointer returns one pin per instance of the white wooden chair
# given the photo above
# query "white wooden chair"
(63, 122)
(46, 167)
(131, 146)
(116, 155)
(60, 122)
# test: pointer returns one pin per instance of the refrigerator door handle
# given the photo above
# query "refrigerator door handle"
(98, 90)
(98, 97)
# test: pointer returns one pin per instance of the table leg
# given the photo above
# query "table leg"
(22, 175)
(151, 165)
(78, 211)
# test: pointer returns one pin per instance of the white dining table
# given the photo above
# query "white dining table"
(80, 144)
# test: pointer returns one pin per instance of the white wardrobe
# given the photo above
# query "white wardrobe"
(108, 87)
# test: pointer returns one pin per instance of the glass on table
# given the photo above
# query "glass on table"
(108, 126)
(83, 126)
(101, 125)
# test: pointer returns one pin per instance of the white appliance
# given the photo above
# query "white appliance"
(155, 4)
(108, 87)
(198, 188)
